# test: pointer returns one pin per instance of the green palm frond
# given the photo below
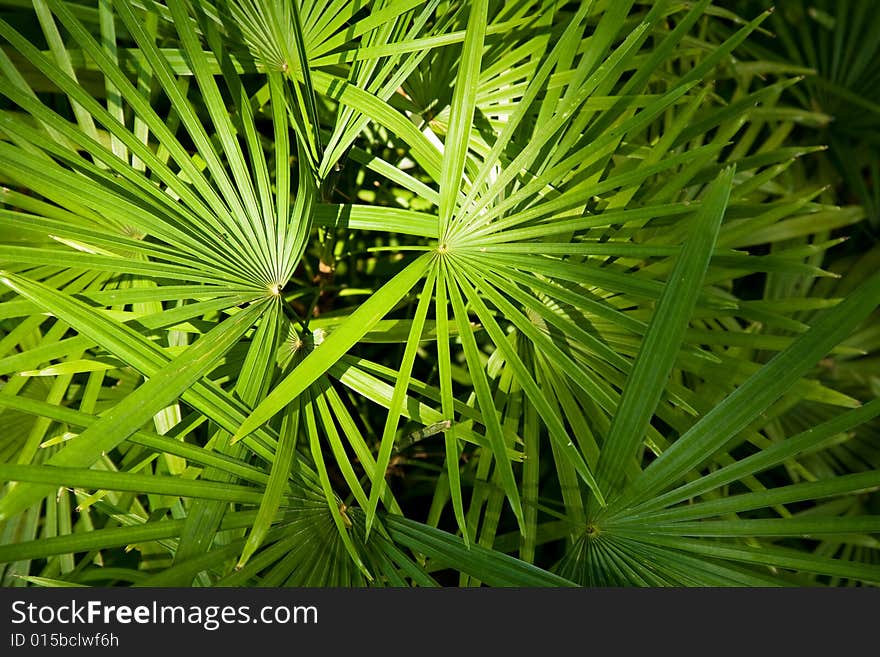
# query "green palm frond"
(833, 45)
(410, 292)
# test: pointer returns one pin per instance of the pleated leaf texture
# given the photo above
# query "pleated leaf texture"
(422, 293)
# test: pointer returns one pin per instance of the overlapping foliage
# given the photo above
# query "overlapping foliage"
(834, 45)
(412, 292)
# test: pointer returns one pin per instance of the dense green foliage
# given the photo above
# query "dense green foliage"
(834, 44)
(416, 292)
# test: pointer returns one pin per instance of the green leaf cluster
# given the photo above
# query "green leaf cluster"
(422, 293)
